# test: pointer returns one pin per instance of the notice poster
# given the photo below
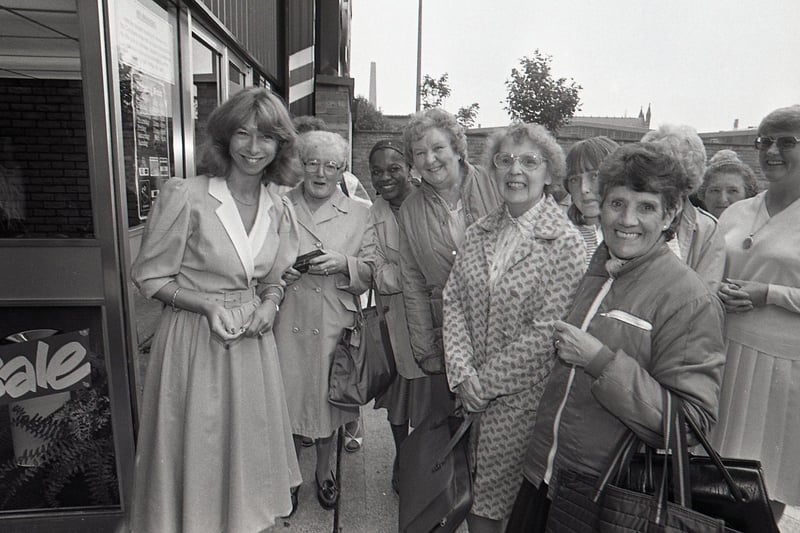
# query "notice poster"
(147, 82)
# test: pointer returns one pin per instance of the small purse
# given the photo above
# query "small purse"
(435, 482)
(363, 364)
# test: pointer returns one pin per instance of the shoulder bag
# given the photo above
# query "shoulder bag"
(363, 363)
(435, 479)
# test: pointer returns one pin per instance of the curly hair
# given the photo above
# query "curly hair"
(645, 167)
(271, 118)
(539, 136)
(727, 161)
(781, 119)
(582, 156)
(686, 146)
(315, 138)
(422, 121)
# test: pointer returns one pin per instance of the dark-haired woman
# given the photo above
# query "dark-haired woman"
(641, 321)
(215, 446)
(583, 160)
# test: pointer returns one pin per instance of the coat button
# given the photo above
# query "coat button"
(453, 252)
(295, 288)
(317, 290)
(295, 329)
(315, 331)
(318, 244)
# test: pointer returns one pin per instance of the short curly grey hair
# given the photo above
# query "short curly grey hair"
(686, 146)
(314, 138)
(424, 120)
(538, 135)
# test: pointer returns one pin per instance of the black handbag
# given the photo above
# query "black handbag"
(435, 479)
(727, 490)
(363, 363)
(730, 489)
(624, 509)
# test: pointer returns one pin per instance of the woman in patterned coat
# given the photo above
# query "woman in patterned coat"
(514, 277)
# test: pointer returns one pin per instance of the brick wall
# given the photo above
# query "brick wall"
(44, 174)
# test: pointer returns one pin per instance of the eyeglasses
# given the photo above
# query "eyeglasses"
(330, 168)
(783, 143)
(528, 161)
(394, 171)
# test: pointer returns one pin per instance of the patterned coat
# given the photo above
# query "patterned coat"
(504, 336)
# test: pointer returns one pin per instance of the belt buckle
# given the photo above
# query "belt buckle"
(233, 299)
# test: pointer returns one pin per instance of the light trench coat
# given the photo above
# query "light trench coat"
(317, 308)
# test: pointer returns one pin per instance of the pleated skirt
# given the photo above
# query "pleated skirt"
(760, 416)
(215, 451)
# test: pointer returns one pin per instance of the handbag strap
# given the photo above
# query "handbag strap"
(456, 438)
(712, 453)
(385, 339)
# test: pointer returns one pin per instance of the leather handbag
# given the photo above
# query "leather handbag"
(435, 479)
(730, 489)
(363, 363)
(624, 509)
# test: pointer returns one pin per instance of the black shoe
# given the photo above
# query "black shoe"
(327, 492)
(293, 494)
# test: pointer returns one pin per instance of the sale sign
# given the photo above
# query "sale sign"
(44, 366)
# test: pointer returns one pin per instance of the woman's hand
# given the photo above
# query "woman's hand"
(573, 345)
(262, 319)
(328, 263)
(740, 295)
(291, 275)
(222, 322)
(471, 393)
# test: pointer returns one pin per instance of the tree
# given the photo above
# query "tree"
(466, 116)
(369, 118)
(535, 96)
(434, 92)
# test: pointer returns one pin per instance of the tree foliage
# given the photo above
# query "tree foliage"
(369, 118)
(467, 116)
(434, 92)
(535, 96)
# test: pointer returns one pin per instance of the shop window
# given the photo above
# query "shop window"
(149, 95)
(44, 171)
(56, 435)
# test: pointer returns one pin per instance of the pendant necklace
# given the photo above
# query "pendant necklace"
(748, 242)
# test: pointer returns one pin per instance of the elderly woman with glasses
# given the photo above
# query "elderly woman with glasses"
(321, 298)
(760, 401)
(513, 279)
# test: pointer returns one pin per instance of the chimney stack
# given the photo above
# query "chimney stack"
(373, 97)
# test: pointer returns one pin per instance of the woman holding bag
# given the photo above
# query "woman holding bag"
(407, 399)
(514, 277)
(641, 320)
(321, 298)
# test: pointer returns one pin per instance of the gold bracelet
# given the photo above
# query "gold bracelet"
(175, 295)
(267, 297)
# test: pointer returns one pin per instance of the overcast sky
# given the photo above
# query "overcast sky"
(698, 62)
